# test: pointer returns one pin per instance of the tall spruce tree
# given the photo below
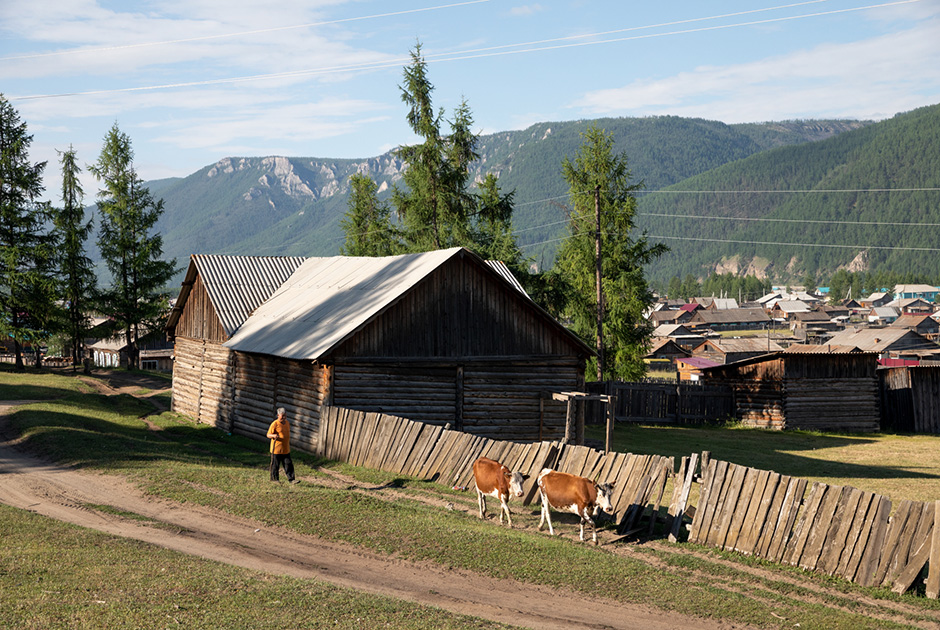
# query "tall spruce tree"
(626, 331)
(77, 275)
(136, 300)
(435, 205)
(26, 247)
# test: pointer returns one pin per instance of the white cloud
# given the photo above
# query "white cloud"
(525, 10)
(867, 79)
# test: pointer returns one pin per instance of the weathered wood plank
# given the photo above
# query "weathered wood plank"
(933, 572)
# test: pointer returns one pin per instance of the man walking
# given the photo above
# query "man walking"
(279, 434)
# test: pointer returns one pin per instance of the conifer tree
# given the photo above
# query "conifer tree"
(136, 299)
(367, 224)
(77, 275)
(26, 247)
(626, 331)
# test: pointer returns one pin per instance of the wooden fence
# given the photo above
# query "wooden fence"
(836, 530)
(416, 449)
(910, 398)
(678, 403)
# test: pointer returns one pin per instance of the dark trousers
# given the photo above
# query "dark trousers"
(281, 460)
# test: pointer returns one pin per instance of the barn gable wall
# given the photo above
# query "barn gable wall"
(199, 319)
(460, 310)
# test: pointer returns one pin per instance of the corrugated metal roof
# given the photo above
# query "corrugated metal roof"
(500, 267)
(237, 285)
(327, 299)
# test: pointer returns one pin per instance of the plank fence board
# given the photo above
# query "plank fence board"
(792, 500)
(919, 551)
(855, 539)
(738, 521)
(659, 489)
(933, 573)
(708, 472)
(871, 551)
(712, 517)
(835, 543)
(794, 547)
(678, 512)
(724, 511)
(896, 531)
(821, 528)
(756, 513)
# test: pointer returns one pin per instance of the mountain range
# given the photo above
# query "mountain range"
(279, 205)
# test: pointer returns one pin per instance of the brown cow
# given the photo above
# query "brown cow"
(570, 493)
(495, 480)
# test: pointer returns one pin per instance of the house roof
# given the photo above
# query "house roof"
(236, 284)
(819, 348)
(792, 306)
(812, 316)
(326, 300)
(733, 316)
(881, 339)
(915, 288)
(698, 362)
(669, 330)
(665, 342)
(911, 320)
(746, 344)
(884, 311)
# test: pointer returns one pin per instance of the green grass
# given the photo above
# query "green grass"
(201, 465)
(895, 465)
(55, 575)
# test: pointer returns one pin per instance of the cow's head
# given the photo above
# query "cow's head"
(604, 492)
(515, 482)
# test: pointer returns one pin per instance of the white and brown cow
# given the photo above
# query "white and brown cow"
(570, 493)
(495, 480)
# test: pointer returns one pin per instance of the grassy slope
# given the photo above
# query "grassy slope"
(195, 463)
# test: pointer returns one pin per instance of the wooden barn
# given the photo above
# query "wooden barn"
(910, 398)
(440, 337)
(813, 391)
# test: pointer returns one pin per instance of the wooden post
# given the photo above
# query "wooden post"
(569, 421)
(579, 415)
(610, 422)
(541, 414)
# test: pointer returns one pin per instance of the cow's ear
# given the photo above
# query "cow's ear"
(524, 477)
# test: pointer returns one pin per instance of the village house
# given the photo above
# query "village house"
(923, 291)
(723, 350)
(913, 305)
(735, 319)
(888, 343)
(920, 323)
(441, 337)
(879, 298)
(691, 368)
(680, 334)
(882, 315)
(812, 324)
(783, 310)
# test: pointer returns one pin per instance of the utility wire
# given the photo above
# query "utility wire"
(460, 56)
(275, 29)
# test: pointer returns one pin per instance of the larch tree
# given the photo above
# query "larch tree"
(136, 300)
(26, 247)
(76, 272)
(598, 178)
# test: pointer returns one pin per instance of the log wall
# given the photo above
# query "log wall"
(911, 398)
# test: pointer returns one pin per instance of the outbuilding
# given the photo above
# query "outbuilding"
(442, 337)
(812, 391)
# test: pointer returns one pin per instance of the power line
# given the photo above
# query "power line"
(666, 191)
(773, 220)
(275, 29)
(461, 56)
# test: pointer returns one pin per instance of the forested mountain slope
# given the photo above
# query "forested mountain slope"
(293, 206)
(842, 203)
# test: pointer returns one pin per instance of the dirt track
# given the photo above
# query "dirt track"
(65, 495)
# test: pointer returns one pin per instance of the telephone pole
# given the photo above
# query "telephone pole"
(600, 292)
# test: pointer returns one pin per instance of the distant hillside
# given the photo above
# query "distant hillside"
(815, 193)
(281, 205)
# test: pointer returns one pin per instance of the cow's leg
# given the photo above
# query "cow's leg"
(586, 516)
(504, 507)
(481, 503)
(546, 514)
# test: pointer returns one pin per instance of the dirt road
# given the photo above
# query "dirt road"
(66, 495)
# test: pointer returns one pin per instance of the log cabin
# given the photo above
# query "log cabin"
(441, 337)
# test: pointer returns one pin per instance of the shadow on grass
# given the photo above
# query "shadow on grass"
(757, 448)
(104, 432)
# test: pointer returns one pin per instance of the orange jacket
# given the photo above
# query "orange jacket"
(280, 446)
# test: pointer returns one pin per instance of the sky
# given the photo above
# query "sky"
(194, 81)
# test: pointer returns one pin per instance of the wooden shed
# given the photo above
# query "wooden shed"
(910, 398)
(814, 391)
(440, 337)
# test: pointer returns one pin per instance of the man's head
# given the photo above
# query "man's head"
(280, 413)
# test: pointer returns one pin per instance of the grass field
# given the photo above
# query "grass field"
(201, 465)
